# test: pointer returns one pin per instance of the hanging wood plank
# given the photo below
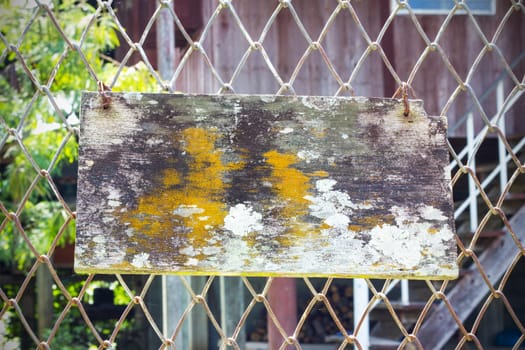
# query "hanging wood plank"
(263, 185)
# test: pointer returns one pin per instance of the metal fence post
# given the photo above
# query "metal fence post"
(473, 198)
(502, 152)
(360, 304)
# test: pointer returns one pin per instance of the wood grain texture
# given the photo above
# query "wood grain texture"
(263, 185)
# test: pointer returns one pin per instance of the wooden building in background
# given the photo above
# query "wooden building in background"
(402, 44)
(453, 59)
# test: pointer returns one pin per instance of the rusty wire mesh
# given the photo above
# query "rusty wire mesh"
(202, 62)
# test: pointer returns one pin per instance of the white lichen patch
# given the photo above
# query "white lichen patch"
(211, 250)
(102, 252)
(154, 142)
(401, 215)
(333, 206)
(114, 203)
(242, 219)
(408, 245)
(339, 221)
(308, 155)
(192, 262)
(340, 253)
(430, 213)
(113, 193)
(188, 250)
(405, 243)
(400, 245)
(187, 210)
(133, 97)
(325, 185)
(140, 260)
(318, 103)
(435, 244)
(268, 98)
(236, 253)
(115, 141)
(405, 246)
(114, 197)
(237, 108)
(99, 239)
(286, 130)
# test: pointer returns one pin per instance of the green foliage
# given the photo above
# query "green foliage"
(38, 124)
(45, 138)
(42, 222)
(45, 130)
(73, 333)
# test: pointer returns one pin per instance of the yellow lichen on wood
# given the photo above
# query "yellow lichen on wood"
(124, 265)
(291, 186)
(320, 173)
(192, 200)
(170, 177)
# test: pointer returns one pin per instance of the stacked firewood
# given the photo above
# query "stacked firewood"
(260, 333)
(319, 323)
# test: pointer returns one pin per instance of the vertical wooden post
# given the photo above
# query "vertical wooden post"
(44, 295)
(174, 301)
(232, 307)
(27, 304)
(198, 320)
(166, 43)
(153, 300)
(282, 296)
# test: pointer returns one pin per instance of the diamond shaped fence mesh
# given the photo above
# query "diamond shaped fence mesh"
(465, 62)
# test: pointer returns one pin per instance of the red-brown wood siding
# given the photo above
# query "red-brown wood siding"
(344, 45)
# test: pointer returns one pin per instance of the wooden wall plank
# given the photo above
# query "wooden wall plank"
(263, 185)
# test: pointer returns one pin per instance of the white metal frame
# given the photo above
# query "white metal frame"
(361, 294)
(443, 11)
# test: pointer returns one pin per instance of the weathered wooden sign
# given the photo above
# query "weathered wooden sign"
(260, 185)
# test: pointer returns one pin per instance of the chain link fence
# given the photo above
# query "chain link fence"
(463, 62)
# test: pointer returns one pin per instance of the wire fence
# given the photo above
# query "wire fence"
(464, 65)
